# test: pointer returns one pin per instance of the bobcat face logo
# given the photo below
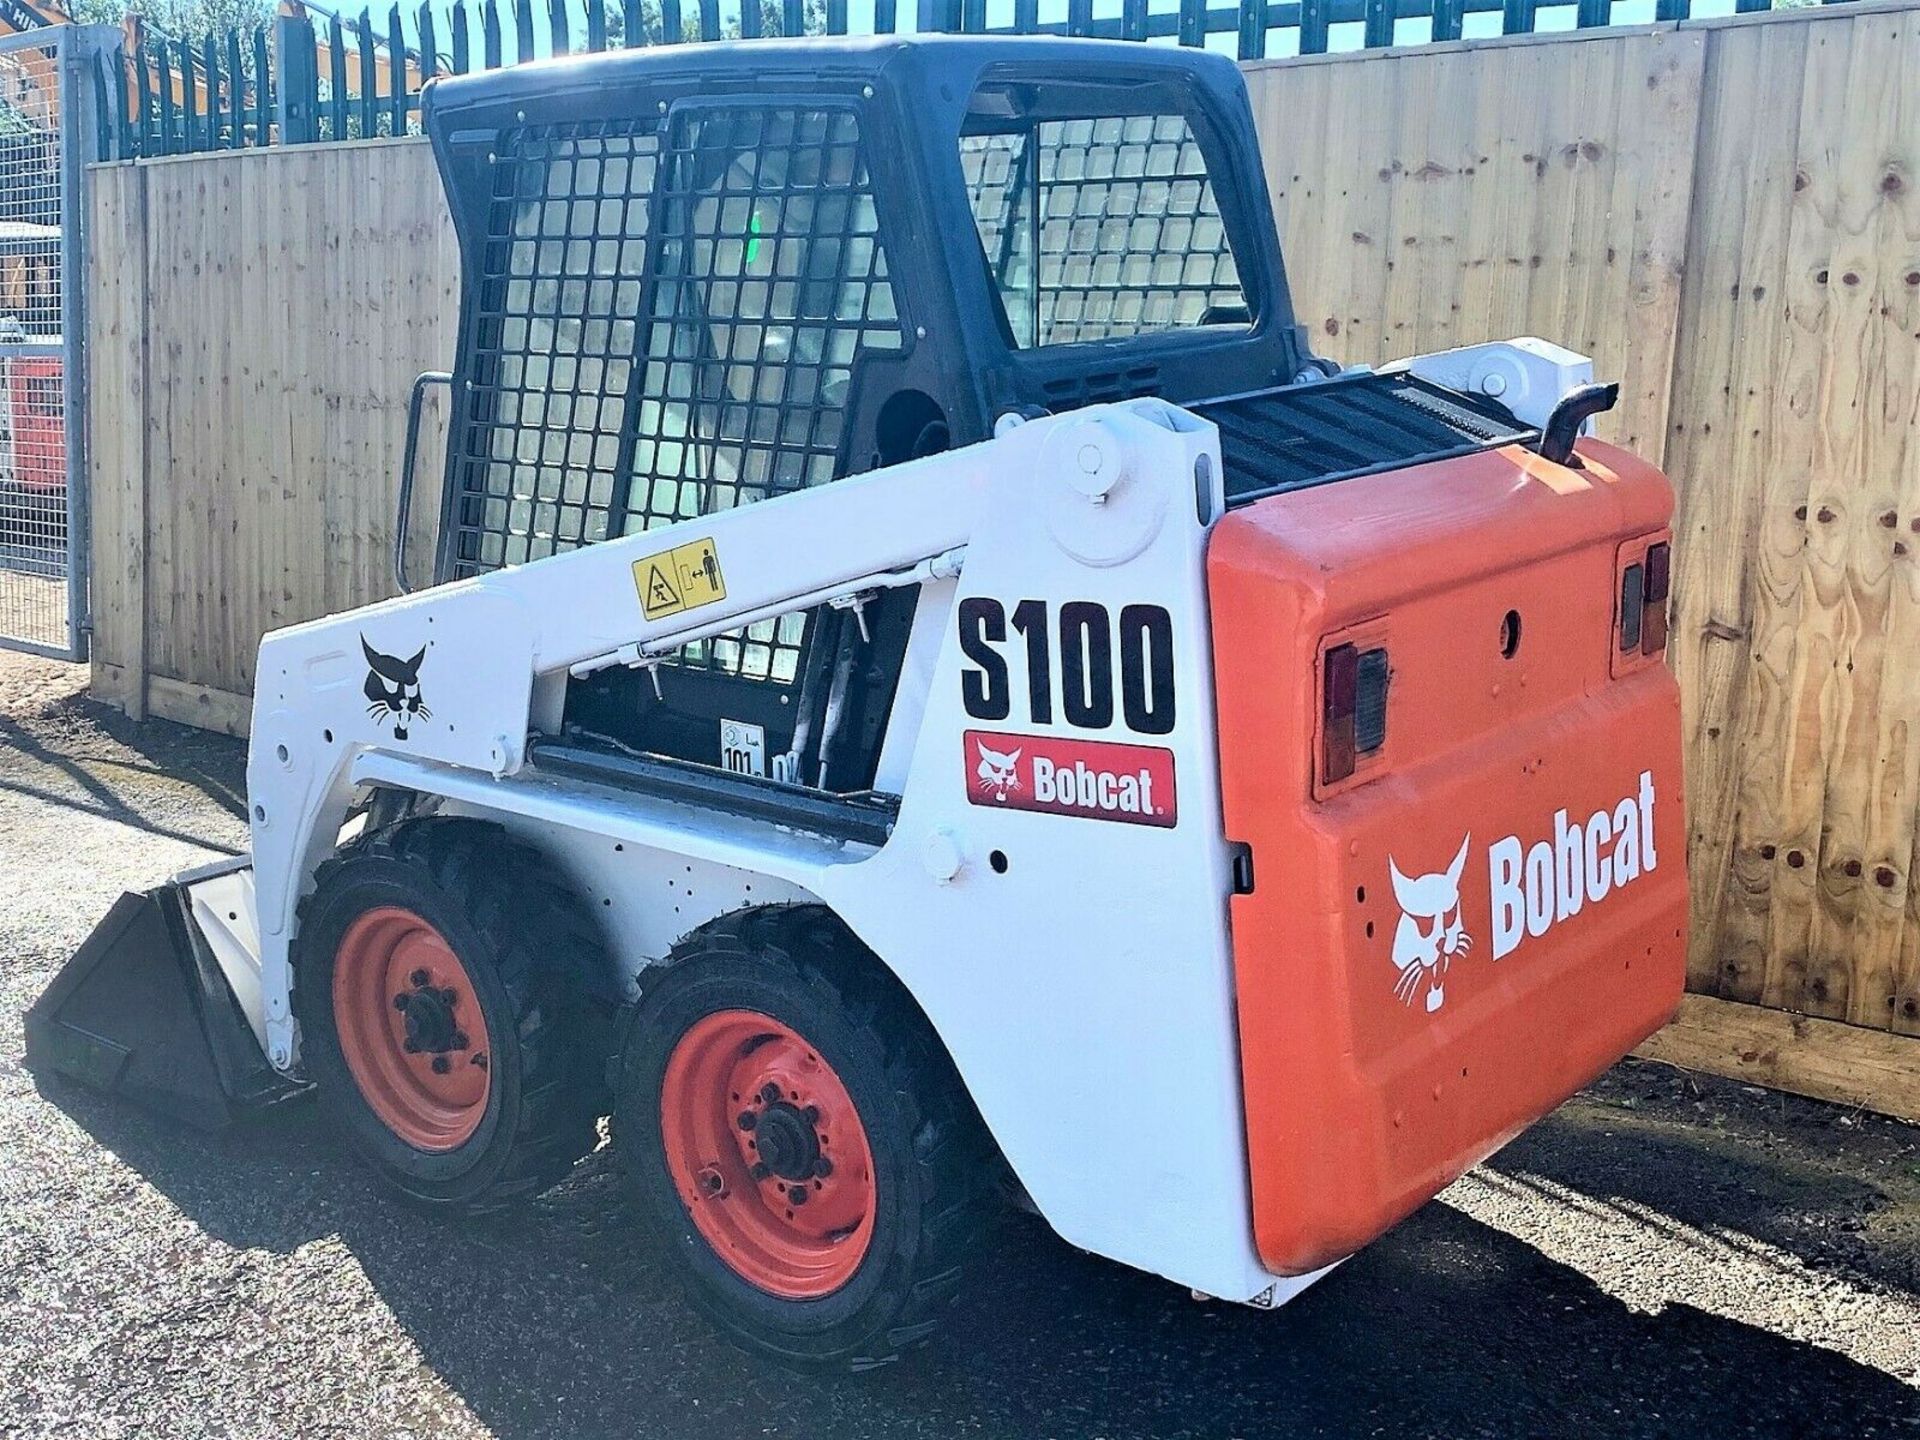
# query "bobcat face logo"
(996, 769)
(393, 688)
(1430, 932)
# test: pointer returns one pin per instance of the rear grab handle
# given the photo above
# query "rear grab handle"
(408, 460)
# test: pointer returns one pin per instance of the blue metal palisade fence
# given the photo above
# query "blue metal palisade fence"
(326, 77)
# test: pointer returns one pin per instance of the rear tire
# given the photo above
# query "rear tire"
(774, 1023)
(438, 983)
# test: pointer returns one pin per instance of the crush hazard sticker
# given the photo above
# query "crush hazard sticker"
(1093, 779)
(683, 578)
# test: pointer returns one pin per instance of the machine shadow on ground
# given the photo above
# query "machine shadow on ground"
(119, 782)
(555, 1320)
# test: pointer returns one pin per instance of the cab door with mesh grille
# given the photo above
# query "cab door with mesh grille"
(671, 323)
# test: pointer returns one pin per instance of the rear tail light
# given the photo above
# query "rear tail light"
(1354, 722)
(1653, 628)
(1633, 607)
(1643, 602)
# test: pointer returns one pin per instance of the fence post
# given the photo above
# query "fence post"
(296, 102)
(86, 54)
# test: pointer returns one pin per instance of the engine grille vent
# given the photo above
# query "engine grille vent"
(1357, 425)
(1070, 392)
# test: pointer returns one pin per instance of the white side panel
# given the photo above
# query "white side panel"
(1076, 965)
(1086, 993)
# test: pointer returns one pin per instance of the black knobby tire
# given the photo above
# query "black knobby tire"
(934, 1166)
(521, 936)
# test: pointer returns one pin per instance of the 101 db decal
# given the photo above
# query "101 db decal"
(1093, 779)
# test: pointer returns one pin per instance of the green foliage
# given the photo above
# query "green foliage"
(771, 12)
(177, 17)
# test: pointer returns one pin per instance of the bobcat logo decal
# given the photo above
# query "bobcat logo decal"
(393, 688)
(1431, 931)
(996, 769)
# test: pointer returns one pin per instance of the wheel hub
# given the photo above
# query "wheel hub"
(788, 1144)
(432, 1023)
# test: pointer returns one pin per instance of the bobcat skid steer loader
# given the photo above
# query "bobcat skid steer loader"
(931, 689)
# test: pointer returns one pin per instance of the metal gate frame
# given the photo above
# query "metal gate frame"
(77, 57)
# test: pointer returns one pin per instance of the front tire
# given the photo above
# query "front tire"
(805, 1153)
(442, 1014)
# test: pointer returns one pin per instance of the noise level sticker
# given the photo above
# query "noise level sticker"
(683, 578)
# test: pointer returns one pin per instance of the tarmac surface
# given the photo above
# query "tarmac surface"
(1666, 1256)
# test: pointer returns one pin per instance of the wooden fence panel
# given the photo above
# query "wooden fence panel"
(291, 297)
(1796, 433)
(1455, 194)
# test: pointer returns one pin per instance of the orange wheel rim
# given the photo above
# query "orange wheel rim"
(767, 1151)
(411, 1029)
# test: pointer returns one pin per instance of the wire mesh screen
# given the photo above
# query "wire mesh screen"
(610, 398)
(1102, 228)
(554, 336)
(34, 556)
(771, 281)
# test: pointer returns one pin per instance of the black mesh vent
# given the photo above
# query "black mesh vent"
(1101, 229)
(611, 398)
(1307, 434)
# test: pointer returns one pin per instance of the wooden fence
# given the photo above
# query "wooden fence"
(1725, 214)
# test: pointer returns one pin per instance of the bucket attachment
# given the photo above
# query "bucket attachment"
(144, 1010)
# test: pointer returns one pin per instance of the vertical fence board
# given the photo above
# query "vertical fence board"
(117, 432)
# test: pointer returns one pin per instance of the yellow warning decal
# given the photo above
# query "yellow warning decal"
(683, 578)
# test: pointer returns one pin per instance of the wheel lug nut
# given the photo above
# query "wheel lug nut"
(823, 1167)
(460, 1041)
(762, 1170)
(797, 1195)
(769, 1093)
(748, 1120)
(441, 1065)
(418, 977)
(399, 1002)
(812, 1112)
(450, 996)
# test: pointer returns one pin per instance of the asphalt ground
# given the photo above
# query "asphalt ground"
(1667, 1255)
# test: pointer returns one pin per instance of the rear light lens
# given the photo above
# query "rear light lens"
(1633, 607)
(1354, 721)
(1643, 601)
(1653, 627)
